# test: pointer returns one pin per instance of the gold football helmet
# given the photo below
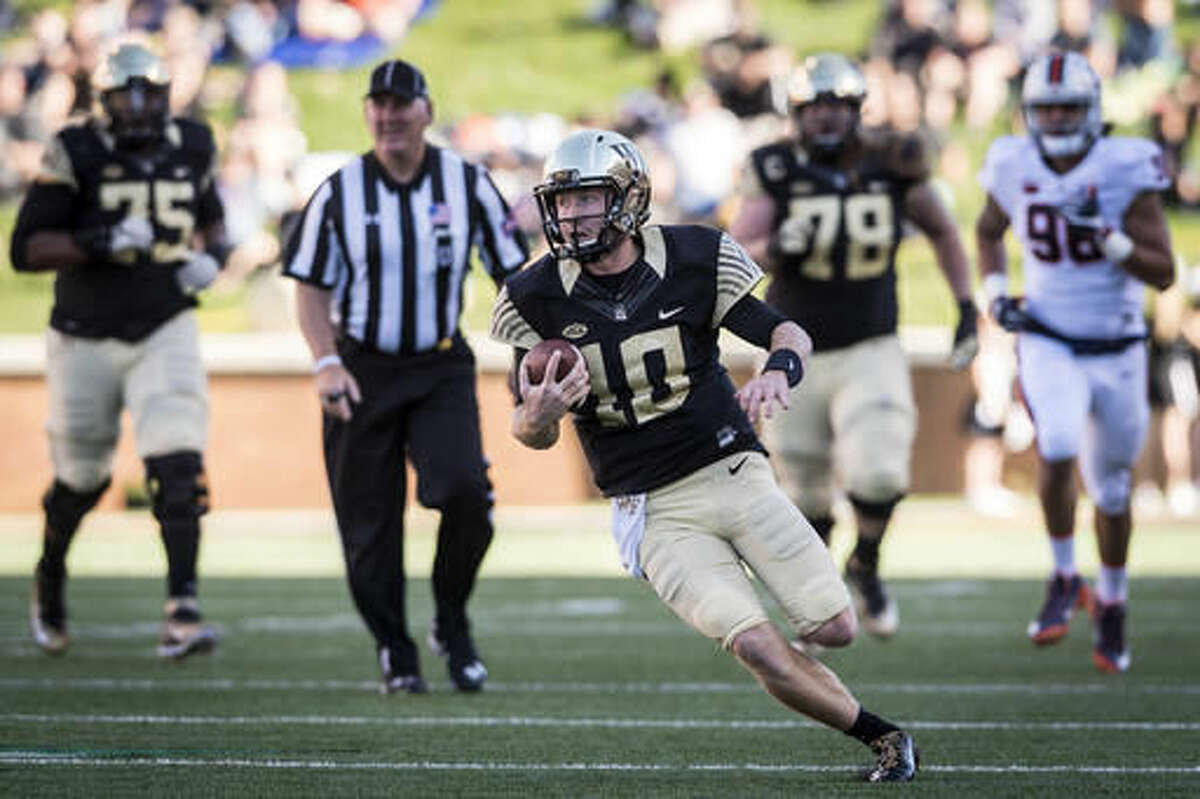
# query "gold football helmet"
(133, 85)
(595, 159)
(826, 77)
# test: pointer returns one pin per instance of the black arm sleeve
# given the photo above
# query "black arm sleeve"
(209, 210)
(752, 320)
(514, 381)
(47, 206)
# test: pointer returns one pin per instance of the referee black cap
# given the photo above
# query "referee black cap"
(399, 78)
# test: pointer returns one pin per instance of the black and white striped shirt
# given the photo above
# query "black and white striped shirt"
(394, 256)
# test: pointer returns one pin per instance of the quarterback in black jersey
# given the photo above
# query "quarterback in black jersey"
(826, 212)
(126, 214)
(668, 437)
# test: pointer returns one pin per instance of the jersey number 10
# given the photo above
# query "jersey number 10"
(650, 380)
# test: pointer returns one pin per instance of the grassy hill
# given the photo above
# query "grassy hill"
(484, 56)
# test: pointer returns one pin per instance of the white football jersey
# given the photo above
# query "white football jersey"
(1069, 284)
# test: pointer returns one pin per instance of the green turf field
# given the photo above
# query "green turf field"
(596, 689)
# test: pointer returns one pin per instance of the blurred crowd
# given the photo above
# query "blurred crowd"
(932, 65)
(266, 169)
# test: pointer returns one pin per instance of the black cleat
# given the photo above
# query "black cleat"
(878, 612)
(1063, 595)
(463, 663)
(1110, 651)
(48, 613)
(897, 758)
(184, 630)
(393, 683)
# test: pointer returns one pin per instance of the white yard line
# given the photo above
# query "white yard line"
(17, 758)
(588, 723)
(127, 684)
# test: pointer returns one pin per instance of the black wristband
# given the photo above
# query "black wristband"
(94, 241)
(786, 361)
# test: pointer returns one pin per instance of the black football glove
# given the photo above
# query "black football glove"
(1008, 313)
(966, 338)
(1083, 219)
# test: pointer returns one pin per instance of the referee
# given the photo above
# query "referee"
(380, 255)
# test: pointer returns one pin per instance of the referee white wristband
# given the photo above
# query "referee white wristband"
(995, 284)
(324, 361)
(1117, 246)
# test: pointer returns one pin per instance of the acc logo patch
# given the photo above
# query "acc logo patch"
(575, 330)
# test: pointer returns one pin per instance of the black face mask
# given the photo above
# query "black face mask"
(137, 113)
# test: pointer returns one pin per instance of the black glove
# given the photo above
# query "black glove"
(966, 339)
(1084, 220)
(1008, 313)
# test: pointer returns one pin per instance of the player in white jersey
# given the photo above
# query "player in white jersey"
(1085, 208)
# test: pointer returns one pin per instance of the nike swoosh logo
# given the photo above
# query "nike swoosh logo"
(662, 314)
(738, 466)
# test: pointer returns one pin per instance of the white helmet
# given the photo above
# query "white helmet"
(1062, 79)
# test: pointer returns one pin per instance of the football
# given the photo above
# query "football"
(536, 359)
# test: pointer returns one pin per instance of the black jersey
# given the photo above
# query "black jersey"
(838, 232)
(661, 406)
(85, 182)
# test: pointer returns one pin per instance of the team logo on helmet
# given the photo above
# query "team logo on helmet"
(594, 159)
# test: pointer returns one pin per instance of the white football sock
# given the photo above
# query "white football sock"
(1063, 550)
(1112, 584)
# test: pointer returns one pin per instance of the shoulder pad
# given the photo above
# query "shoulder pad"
(691, 244)
(527, 279)
(907, 155)
(508, 325)
(772, 162)
(57, 168)
(194, 136)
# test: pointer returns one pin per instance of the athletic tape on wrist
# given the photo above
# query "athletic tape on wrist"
(1117, 246)
(995, 284)
(326, 360)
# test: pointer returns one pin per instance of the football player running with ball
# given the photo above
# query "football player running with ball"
(826, 211)
(126, 213)
(667, 437)
(1085, 208)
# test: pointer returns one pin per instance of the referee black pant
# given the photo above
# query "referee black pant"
(422, 408)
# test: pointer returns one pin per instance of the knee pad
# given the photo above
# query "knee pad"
(1110, 490)
(875, 510)
(65, 507)
(177, 485)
